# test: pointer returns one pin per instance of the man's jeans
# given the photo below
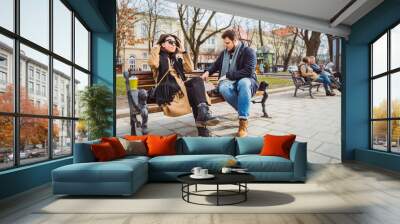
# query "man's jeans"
(238, 95)
(324, 78)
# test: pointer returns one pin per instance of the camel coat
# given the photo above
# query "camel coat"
(180, 105)
(307, 71)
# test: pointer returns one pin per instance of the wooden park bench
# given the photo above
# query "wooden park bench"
(146, 82)
(303, 84)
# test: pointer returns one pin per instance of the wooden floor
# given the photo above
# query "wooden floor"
(378, 189)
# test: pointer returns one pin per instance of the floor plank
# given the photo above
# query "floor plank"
(377, 190)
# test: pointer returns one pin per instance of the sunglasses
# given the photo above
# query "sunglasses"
(172, 42)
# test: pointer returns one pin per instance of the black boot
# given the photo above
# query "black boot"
(330, 93)
(203, 132)
(204, 116)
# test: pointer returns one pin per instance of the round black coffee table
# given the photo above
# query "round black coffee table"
(238, 179)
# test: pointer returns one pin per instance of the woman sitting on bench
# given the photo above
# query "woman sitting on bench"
(307, 73)
(174, 93)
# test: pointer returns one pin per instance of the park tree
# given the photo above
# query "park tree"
(195, 33)
(288, 46)
(244, 29)
(260, 33)
(126, 20)
(152, 9)
(312, 40)
(330, 46)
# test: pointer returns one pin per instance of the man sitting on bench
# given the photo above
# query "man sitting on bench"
(326, 71)
(307, 72)
(237, 78)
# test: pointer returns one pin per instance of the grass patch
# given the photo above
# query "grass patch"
(120, 85)
(275, 82)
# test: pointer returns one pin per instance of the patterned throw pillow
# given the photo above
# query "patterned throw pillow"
(134, 147)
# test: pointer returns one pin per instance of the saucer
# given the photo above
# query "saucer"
(208, 176)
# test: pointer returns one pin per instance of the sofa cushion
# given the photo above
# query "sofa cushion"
(257, 163)
(83, 152)
(185, 163)
(207, 145)
(103, 152)
(116, 145)
(275, 145)
(134, 147)
(161, 145)
(112, 171)
(249, 145)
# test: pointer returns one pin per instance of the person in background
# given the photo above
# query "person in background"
(261, 67)
(327, 71)
(307, 72)
(174, 92)
(237, 80)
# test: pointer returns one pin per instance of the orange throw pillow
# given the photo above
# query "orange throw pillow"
(116, 145)
(277, 145)
(136, 137)
(103, 152)
(161, 145)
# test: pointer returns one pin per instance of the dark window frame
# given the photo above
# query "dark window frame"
(388, 74)
(16, 115)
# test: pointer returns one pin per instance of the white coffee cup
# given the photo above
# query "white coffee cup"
(203, 172)
(226, 170)
(196, 171)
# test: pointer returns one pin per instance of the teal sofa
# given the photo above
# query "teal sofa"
(125, 176)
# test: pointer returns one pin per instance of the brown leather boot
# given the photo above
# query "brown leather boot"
(243, 125)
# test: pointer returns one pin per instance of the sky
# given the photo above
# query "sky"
(35, 27)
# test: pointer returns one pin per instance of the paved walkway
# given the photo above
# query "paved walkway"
(315, 121)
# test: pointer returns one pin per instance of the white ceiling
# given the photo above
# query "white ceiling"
(307, 14)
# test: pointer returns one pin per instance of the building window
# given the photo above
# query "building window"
(55, 127)
(385, 91)
(30, 87)
(145, 55)
(30, 73)
(38, 89)
(3, 79)
(143, 30)
(145, 67)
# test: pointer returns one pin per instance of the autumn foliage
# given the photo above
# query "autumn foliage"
(380, 127)
(33, 130)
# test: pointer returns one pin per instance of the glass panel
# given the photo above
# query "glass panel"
(379, 55)
(33, 139)
(6, 74)
(395, 94)
(395, 47)
(395, 136)
(7, 14)
(62, 138)
(62, 89)
(379, 135)
(81, 81)
(62, 29)
(379, 97)
(81, 45)
(34, 97)
(35, 21)
(6, 142)
(81, 131)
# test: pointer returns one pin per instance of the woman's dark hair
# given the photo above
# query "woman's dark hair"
(231, 34)
(163, 38)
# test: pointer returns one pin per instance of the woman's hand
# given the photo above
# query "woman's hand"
(204, 76)
(180, 49)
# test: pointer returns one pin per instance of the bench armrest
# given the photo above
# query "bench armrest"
(298, 155)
